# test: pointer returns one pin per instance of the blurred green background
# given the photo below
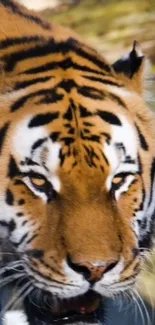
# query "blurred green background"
(111, 26)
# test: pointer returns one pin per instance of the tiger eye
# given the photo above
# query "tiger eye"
(38, 181)
(117, 180)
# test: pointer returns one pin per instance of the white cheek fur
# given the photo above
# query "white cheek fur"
(22, 143)
(24, 138)
(125, 134)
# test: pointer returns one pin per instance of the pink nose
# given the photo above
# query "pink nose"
(92, 272)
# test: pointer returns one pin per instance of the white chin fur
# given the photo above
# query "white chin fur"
(16, 317)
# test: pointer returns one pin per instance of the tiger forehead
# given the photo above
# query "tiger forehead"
(95, 142)
(66, 146)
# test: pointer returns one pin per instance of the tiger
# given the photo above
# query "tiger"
(77, 166)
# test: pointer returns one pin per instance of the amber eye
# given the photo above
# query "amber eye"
(38, 182)
(117, 180)
(39, 185)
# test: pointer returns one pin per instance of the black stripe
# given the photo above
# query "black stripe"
(33, 269)
(69, 114)
(13, 169)
(20, 102)
(67, 85)
(93, 137)
(84, 112)
(3, 132)
(54, 136)
(52, 47)
(21, 240)
(117, 99)
(62, 157)
(104, 157)
(62, 47)
(91, 92)
(94, 58)
(4, 44)
(42, 119)
(50, 96)
(17, 10)
(90, 156)
(67, 140)
(26, 83)
(107, 136)
(38, 50)
(152, 179)
(54, 270)
(104, 81)
(38, 143)
(143, 142)
(48, 266)
(29, 162)
(11, 225)
(129, 160)
(9, 197)
(21, 201)
(30, 239)
(140, 168)
(18, 182)
(24, 223)
(19, 214)
(65, 64)
(109, 117)
(120, 145)
(125, 174)
(88, 124)
(35, 253)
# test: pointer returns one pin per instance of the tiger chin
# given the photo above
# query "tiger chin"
(77, 166)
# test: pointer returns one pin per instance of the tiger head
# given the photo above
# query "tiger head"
(76, 163)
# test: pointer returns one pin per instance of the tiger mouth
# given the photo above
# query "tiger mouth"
(67, 311)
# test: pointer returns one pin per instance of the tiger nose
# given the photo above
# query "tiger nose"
(92, 272)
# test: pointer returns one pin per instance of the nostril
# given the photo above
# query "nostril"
(92, 272)
(79, 268)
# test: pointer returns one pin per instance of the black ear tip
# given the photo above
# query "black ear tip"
(135, 44)
(131, 63)
(137, 49)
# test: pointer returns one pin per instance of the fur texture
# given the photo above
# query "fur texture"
(77, 164)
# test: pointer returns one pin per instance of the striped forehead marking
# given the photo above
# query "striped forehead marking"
(122, 150)
(37, 151)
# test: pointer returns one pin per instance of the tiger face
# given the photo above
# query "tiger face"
(77, 167)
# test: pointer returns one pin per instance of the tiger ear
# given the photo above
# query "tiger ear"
(131, 68)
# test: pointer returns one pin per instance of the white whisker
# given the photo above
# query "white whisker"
(10, 279)
(139, 308)
(10, 266)
(22, 297)
(144, 307)
(36, 299)
(16, 297)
